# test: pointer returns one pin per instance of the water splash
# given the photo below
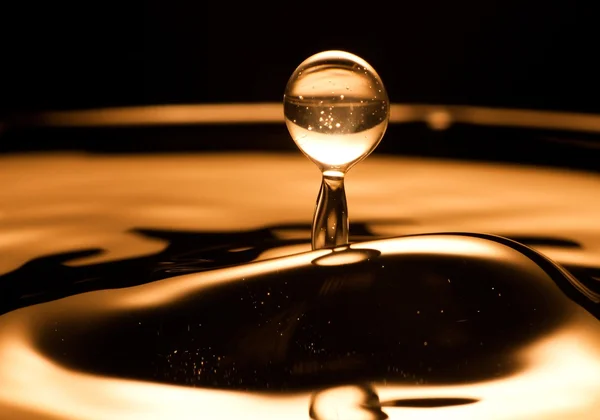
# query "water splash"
(337, 111)
(424, 317)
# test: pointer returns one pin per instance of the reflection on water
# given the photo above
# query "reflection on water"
(51, 204)
(359, 402)
(412, 314)
(433, 316)
(230, 318)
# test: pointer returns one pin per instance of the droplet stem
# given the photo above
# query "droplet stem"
(330, 224)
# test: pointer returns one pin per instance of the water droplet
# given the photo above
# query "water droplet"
(336, 146)
(360, 125)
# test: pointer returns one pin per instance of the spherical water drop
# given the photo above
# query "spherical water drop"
(336, 86)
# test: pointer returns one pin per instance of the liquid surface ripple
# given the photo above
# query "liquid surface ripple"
(156, 302)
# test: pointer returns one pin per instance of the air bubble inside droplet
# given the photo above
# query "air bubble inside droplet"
(361, 115)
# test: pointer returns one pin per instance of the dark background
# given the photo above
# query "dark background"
(97, 54)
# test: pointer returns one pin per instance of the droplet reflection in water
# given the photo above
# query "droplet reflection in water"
(347, 402)
(337, 111)
(505, 329)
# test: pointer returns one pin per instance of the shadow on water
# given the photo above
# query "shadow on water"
(429, 402)
(426, 317)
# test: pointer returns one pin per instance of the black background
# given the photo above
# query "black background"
(97, 54)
